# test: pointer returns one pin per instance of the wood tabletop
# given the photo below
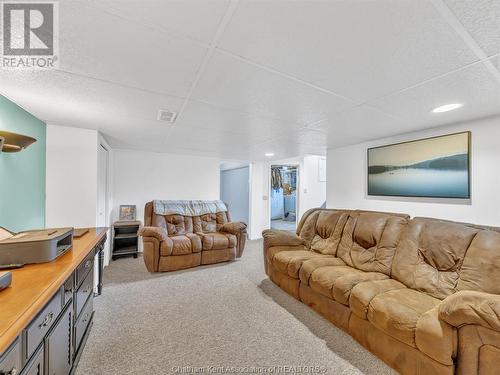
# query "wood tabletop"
(34, 285)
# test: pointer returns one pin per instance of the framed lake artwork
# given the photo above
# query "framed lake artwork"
(437, 167)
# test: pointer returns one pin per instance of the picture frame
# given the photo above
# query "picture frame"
(434, 167)
(127, 212)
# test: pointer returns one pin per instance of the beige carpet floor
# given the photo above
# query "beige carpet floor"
(226, 315)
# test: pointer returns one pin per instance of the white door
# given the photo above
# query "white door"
(102, 194)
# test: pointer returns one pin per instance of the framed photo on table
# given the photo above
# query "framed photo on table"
(127, 212)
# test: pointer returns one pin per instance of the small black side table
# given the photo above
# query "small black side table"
(125, 239)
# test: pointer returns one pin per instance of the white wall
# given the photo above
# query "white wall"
(313, 191)
(259, 199)
(346, 175)
(71, 181)
(234, 190)
(139, 177)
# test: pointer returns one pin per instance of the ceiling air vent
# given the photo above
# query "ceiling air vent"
(168, 116)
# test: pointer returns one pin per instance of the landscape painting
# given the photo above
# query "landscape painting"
(434, 167)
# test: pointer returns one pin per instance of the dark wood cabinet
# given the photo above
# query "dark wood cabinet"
(125, 239)
(36, 364)
(58, 345)
(10, 360)
(52, 343)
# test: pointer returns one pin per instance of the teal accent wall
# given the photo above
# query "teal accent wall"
(22, 174)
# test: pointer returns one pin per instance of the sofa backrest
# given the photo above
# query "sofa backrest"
(322, 229)
(181, 217)
(369, 240)
(441, 257)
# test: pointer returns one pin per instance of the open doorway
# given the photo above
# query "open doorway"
(284, 182)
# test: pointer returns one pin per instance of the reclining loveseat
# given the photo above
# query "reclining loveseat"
(184, 234)
(421, 294)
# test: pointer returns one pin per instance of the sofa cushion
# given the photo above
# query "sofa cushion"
(273, 250)
(181, 245)
(290, 262)
(369, 240)
(217, 240)
(363, 293)
(336, 282)
(479, 270)
(397, 312)
(329, 227)
(210, 222)
(430, 255)
(178, 225)
(310, 265)
(307, 226)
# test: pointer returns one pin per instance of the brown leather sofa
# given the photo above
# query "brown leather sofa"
(184, 234)
(421, 294)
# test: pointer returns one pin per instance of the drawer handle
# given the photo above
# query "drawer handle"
(47, 320)
(88, 263)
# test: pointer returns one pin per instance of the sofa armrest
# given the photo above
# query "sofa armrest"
(159, 233)
(471, 308)
(239, 229)
(233, 227)
(274, 237)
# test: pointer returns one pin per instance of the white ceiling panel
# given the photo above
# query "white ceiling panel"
(474, 87)
(358, 123)
(288, 77)
(481, 18)
(190, 18)
(256, 129)
(65, 99)
(359, 49)
(231, 83)
(100, 45)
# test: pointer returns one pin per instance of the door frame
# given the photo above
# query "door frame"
(107, 201)
(270, 188)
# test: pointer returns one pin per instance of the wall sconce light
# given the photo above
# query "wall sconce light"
(12, 142)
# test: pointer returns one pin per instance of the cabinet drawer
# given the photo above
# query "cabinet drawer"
(83, 293)
(84, 268)
(10, 361)
(35, 366)
(39, 326)
(82, 323)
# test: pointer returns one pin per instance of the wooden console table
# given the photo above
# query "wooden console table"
(47, 313)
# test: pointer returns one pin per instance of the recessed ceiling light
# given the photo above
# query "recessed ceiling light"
(447, 107)
(269, 154)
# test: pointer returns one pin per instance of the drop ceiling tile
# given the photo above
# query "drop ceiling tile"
(191, 18)
(481, 20)
(359, 123)
(101, 45)
(66, 99)
(256, 129)
(229, 82)
(475, 87)
(359, 49)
